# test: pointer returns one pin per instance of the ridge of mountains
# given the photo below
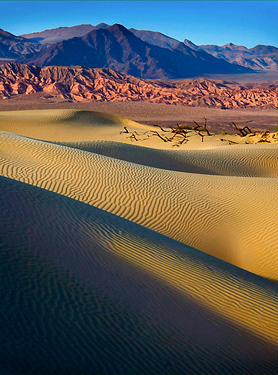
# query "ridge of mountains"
(259, 57)
(119, 49)
(82, 84)
(51, 36)
(141, 53)
(144, 54)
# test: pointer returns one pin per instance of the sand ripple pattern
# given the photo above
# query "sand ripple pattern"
(251, 161)
(230, 217)
(86, 292)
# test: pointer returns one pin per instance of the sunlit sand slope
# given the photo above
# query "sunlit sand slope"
(232, 218)
(80, 125)
(65, 125)
(252, 160)
(86, 292)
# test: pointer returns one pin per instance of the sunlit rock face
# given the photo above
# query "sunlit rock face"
(82, 84)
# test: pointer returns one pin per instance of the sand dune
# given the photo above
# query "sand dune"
(230, 217)
(87, 292)
(99, 284)
(65, 125)
(255, 161)
(79, 125)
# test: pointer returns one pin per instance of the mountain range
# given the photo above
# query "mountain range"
(82, 84)
(62, 33)
(119, 49)
(259, 57)
(144, 54)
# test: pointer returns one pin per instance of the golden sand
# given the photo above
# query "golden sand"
(94, 286)
(230, 217)
(78, 125)
(65, 125)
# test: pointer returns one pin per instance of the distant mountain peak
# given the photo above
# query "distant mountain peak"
(234, 46)
(230, 45)
(120, 31)
(187, 41)
(190, 44)
(102, 25)
(118, 26)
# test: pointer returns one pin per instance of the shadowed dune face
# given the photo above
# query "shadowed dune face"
(84, 291)
(230, 217)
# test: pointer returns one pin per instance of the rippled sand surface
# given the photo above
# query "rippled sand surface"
(123, 259)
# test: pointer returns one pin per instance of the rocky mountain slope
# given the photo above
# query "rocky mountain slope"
(84, 84)
(155, 38)
(259, 57)
(12, 46)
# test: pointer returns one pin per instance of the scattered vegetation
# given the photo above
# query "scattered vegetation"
(179, 134)
(243, 131)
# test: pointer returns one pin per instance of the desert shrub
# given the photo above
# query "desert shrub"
(184, 127)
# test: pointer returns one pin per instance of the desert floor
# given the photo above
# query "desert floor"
(152, 113)
(127, 252)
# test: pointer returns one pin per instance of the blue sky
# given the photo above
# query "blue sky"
(203, 22)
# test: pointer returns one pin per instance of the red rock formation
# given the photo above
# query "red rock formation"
(84, 84)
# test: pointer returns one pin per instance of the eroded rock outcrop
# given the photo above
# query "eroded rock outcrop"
(82, 84)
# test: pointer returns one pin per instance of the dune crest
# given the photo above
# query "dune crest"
(255, 161)
(230, 217)
(65, 125)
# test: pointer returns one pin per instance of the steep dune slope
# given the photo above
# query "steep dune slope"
(84, 291)
(233, 218)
